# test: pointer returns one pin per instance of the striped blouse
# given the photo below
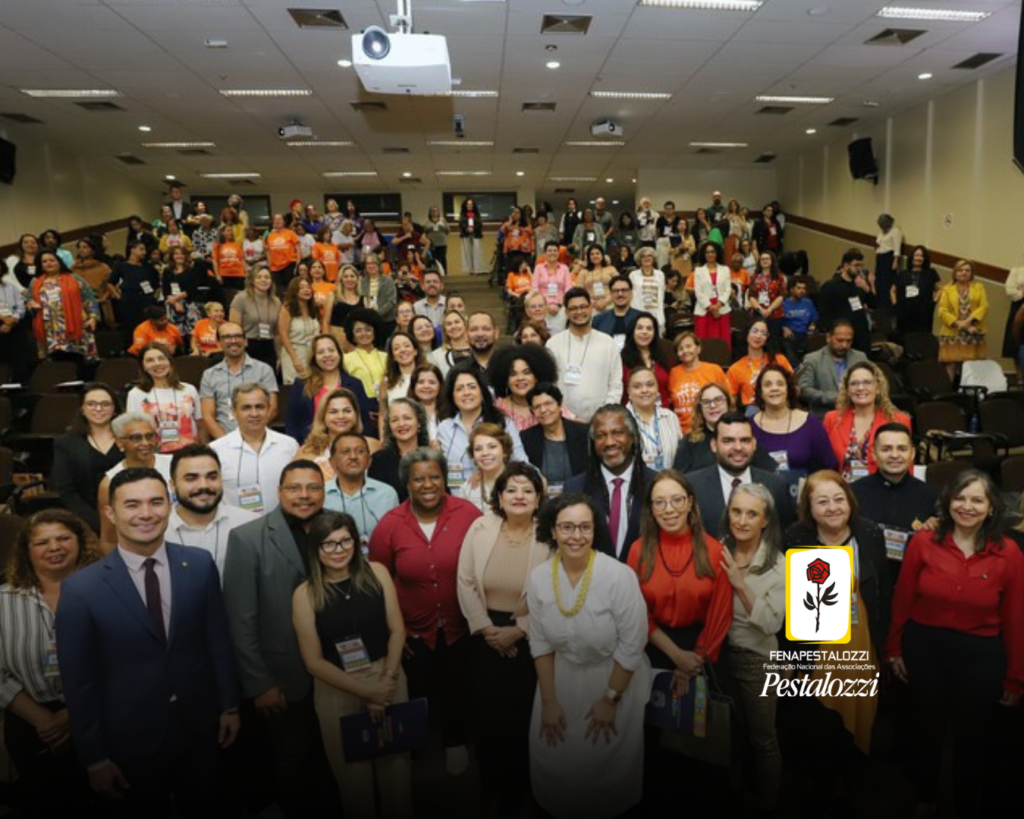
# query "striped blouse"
(26, 632)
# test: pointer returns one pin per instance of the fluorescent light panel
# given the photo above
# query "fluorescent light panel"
(179, 144)
(474, 94)
(705, 5)
(588, 143)
(462, 173)
(241, 175)
(719, 145)
(460, 143)
(266, 92)
(321, 144)
(71, 93)
(631, 95)
(795, 100)
(339, 174)
(942, 15)
(572, 178)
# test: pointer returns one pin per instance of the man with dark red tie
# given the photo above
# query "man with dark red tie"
(615, 480)
(146, 661)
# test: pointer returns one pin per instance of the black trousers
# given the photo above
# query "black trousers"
(956, 680)
(262, 349)
(441, 675)
(282, 277)
(51, 784)
(502, 702)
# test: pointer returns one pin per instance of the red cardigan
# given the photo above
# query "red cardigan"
(838, 426)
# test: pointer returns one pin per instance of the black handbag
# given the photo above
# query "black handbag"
(709, 740)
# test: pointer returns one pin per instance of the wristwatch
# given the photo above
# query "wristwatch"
(612, 695)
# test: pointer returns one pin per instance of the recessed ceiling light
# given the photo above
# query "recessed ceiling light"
(179, 144)
(553, 64)
(795, 99)
(520, 173)
(925, 76)
(593, 143)
(460, 143)
(633, 181)
(609, 181)
(240, 175)
(215, 43)
(338, 174)
(462, 173)
(170, 176)
(70, 93)
(871, 103)
(573, 178)
(406, 174)
(321, 144)
(631, 95)
(266, 92)
(719, 145)
(145, 129)
(811, 131)
(947, 15)
(345, 63)
(819, 11)
(474, 94)
(705, 5)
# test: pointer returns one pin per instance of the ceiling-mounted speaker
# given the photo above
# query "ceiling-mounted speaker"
(1018, 104)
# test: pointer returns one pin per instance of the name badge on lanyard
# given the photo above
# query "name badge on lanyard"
(895, 542)
(146, 287)
(51, 668)
(456, 476)
(169, 432)
(854, 609)
(856, 469)
(264, 330)
(912, 291)
(250, 498)
(573, 375)
(353, 654)
(781, 458)
(855, 304)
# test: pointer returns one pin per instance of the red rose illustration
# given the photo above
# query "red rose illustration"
(818, 572)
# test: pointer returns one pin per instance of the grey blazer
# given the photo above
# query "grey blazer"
(262, 568)
(816, 378)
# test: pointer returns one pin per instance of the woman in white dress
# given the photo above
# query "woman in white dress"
(588, 629)
(297, 326)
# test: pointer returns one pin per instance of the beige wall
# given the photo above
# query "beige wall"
(55, 188)
(691, 189)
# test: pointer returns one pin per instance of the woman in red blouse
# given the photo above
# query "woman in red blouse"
(689, 601)
(957, 637)
(767, 292)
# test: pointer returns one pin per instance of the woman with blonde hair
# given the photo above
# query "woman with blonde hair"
(862, 406)
(454, 342)
(962, 308)
(338, 412)
(491, 449)
(340, 303)
(257, 311)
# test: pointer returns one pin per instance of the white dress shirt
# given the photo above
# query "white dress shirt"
(727, 478)
(626, 476)
(137, 572)
(242, 467)
(213, 537)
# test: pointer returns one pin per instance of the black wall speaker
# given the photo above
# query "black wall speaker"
(862, 160)
(1018, 104)
(7, 151)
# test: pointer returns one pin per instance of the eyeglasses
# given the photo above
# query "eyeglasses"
(757, 331)
(712, 402)
(569, 529)
(140, 437)
(856, 385)
(345, 544)
(676, 502)
(98, 404)
(622, 290)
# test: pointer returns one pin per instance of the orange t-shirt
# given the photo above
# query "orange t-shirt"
(685, 385)
(743, 376)
(205, 335)
(228, 260)
(147, 332)
(282, 248)
(321, 290)
(518, 283)
(330, 255)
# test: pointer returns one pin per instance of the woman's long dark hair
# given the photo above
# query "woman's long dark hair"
(80, 425)
(145, 379)
(631, 353)
(364, 581)
(992, 527)
(393, 372)
(650, 532)
(488, 412)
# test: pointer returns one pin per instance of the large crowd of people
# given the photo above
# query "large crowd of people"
(370, 500)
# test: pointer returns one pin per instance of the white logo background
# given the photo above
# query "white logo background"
(835, 619)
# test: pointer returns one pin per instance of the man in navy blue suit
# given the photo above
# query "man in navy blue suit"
(146, 661)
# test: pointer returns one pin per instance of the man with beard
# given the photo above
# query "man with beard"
(483, 335)
(616, 480)
(199, 518)
(734, 445)
(822, 371)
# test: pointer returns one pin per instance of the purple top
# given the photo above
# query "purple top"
(807, 448)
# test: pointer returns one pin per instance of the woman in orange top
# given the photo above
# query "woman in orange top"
(691, 376)
(327, 253)
(862, 407)
(229, 259)
(743, 374)
(205, 340)
(519, 244)
(322, 289)
(282, 246)
(519, 281)
(688, 594)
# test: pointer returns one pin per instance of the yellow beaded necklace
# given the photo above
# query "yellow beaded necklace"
(581, 597)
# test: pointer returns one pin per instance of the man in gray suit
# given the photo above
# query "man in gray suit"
(822, 371)
(734, 446)
(266, 560)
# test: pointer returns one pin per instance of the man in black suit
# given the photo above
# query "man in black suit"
(616, 480)
(556, 446)
(734, 445)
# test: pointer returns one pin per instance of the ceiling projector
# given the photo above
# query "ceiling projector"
(401, 62)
